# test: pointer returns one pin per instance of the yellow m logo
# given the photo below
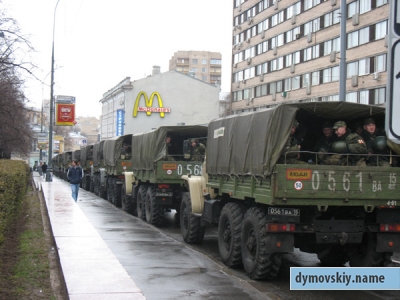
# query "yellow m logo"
(149, 105)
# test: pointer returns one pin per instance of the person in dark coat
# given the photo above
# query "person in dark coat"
(44, 169)
(74, 175)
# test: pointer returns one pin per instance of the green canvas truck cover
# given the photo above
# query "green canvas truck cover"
(76, 155)
(251, 143)
(97, 153)
(84, 153)
(150, 147)
(112, 150)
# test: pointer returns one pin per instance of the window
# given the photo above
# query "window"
(204, 61)
(352, 39)
(194, 69)
(363, 66)
(263, 90)
(295, 82)
(332, 18)
(352, 69)
(380, 30)
(288, 85)
(364, 35)
(381, 2)
(306, 80)
(327, 75)
(380, 63)
(352, 8)
(365, 5)
(315, 78)
(379, 96)
(279, 86)
(204, 77)
(203, 70)
(194, 61)
(364, 97)
(351, 97)
(307, 54)
(215, 61)
(335, 73)
(293, 10)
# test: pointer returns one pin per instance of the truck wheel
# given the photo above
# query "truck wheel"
(117, 193)
(191, 229)
(153, 211)
(332, 256)
(256, 261)
(127, 202)
(141, 198)
(91, 184)
(96, 185)
(366, 256)
(109, 189)
(229, 235)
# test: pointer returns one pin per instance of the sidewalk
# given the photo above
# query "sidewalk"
(106, 253)
(90, 268)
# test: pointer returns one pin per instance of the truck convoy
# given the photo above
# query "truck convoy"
(343, 212)
(263, 206)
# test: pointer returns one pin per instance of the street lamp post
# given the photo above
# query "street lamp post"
(50, 155)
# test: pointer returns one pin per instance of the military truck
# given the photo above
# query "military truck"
(98, 174)
(117, 158)
(343, 213)
(55, 164)
(64, 163)
(153, 183)
(86, 164)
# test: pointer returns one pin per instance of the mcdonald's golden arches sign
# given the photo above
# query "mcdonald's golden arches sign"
(148, 102)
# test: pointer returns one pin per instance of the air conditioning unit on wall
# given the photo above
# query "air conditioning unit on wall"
(376, 76)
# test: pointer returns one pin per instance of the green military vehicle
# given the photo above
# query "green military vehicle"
(98, 174)
(86, 161)
(55, 164)
(153, 183)
(117, 158)
(65, 162)
(343, 212)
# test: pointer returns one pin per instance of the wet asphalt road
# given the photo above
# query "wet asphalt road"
(164, 267)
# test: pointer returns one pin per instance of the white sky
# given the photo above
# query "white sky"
(100, 42)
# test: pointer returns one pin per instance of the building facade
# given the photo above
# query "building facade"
(203, 65)
(162, 99)
(290, 51)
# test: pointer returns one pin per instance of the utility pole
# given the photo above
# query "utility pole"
(343, 47)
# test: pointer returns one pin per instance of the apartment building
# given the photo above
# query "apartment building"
(203, 65)
(290, 51)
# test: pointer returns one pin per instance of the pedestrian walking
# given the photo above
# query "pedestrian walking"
(74, 175)
(44, 169)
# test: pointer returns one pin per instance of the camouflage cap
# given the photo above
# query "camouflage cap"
(369, 121)
(339, 124)
(295, 123)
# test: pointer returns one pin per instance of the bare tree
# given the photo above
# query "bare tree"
(15, 132)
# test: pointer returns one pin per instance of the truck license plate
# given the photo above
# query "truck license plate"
(165, 194)
(283, 211)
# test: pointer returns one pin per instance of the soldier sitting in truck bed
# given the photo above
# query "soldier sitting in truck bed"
(346, 142)
(292, 148)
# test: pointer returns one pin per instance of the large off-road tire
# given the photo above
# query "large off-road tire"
(91, 184)
(257, 263)
(110, 190)
(153, 211)
(332, 256)
(141, 198)
(191, 229)
(96, 185)
(229, 234)
(117, 193)
(127, 203)
(366, 256)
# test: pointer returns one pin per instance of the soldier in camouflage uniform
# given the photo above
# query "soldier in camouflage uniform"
(292, 144)
(198, 150)
(354, 144)
(324, 142)
(369, 134)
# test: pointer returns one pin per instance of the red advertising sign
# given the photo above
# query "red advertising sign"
(65, 114)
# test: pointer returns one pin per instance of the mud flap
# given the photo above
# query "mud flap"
(385, 239)
(285, 240)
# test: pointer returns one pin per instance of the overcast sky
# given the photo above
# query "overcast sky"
(100, 42)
